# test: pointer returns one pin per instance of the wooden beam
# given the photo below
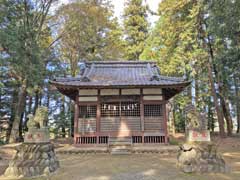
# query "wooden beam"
(98, 118)
(142, 110)
(165, 122)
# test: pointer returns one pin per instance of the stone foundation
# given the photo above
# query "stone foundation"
(202, 158)
(32, 159)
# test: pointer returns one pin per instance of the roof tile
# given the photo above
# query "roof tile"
(120, 73)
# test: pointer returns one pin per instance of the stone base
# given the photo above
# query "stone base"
(37, 135)
(32, 160)
(201, 157)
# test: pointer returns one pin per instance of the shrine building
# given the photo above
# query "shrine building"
(120, 99)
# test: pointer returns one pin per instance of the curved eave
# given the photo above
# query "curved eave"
(169, 91)
(68, 86)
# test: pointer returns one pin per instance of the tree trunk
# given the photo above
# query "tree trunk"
(215, 99)
(30, 105)
(237, 103)
(226, 113)
(210, 117)
(196, 91)
(48, 99)
(40, 99)
(28, 111)
(223, 92)
(13, 111)
(170, 116)
(213, 90)
(14, 137)
(63, 132)
(36, 102)
(223, 95)
(21, 126)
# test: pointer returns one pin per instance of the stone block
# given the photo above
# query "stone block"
(200, 158)
(37, 136)
(32, 159)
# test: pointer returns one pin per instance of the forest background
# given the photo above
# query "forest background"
(195, 39)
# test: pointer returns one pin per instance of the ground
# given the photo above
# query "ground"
(149, 166)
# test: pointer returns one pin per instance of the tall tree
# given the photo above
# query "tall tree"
(136, 28)
(89, 32)
(184, 42)
(22, 28)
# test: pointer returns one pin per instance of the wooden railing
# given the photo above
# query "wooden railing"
(92, 140)
(154, 139)
(137, 139)
(151, 139)
(86, 140)
(103, 139)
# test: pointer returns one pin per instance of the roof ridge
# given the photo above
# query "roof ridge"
(120, 62)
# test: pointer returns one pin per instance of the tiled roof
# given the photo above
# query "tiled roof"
(120, 73)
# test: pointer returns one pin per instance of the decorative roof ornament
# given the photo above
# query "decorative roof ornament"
(154, 75)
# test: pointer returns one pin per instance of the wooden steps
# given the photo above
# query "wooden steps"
(120, 145)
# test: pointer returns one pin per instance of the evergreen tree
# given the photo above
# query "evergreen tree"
(136, 28)
(23, 34)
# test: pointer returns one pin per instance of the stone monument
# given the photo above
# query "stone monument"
(36, 156)
(196, 126)
(199, 154)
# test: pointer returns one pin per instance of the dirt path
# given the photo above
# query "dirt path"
(140, 166)
(132, 167)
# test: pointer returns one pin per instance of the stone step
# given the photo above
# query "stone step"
(120, 147)
(120, 140)
(120, 151)
(120, 143)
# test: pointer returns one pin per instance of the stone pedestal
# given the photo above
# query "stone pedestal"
(35, 135)
(32, 159)
(200, 157)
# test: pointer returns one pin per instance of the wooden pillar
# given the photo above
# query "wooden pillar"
(98, 116)
(76, 117)
(142, 114)
(165, 121)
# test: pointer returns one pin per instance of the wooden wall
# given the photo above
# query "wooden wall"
(111, 124)
(154, 124)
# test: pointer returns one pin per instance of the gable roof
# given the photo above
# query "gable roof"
(120, 74)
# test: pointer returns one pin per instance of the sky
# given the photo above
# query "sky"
(119, 6)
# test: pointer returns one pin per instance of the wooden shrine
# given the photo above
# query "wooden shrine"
(120, 99)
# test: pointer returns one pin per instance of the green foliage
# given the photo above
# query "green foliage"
(174, 45)
(88, 31)
(136, 28)
(173, 40)
(20, 37)
(180, 43)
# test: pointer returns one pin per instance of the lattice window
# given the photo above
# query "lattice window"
(111, 109)
(153, 110)
(87, 111)
(130, 109)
